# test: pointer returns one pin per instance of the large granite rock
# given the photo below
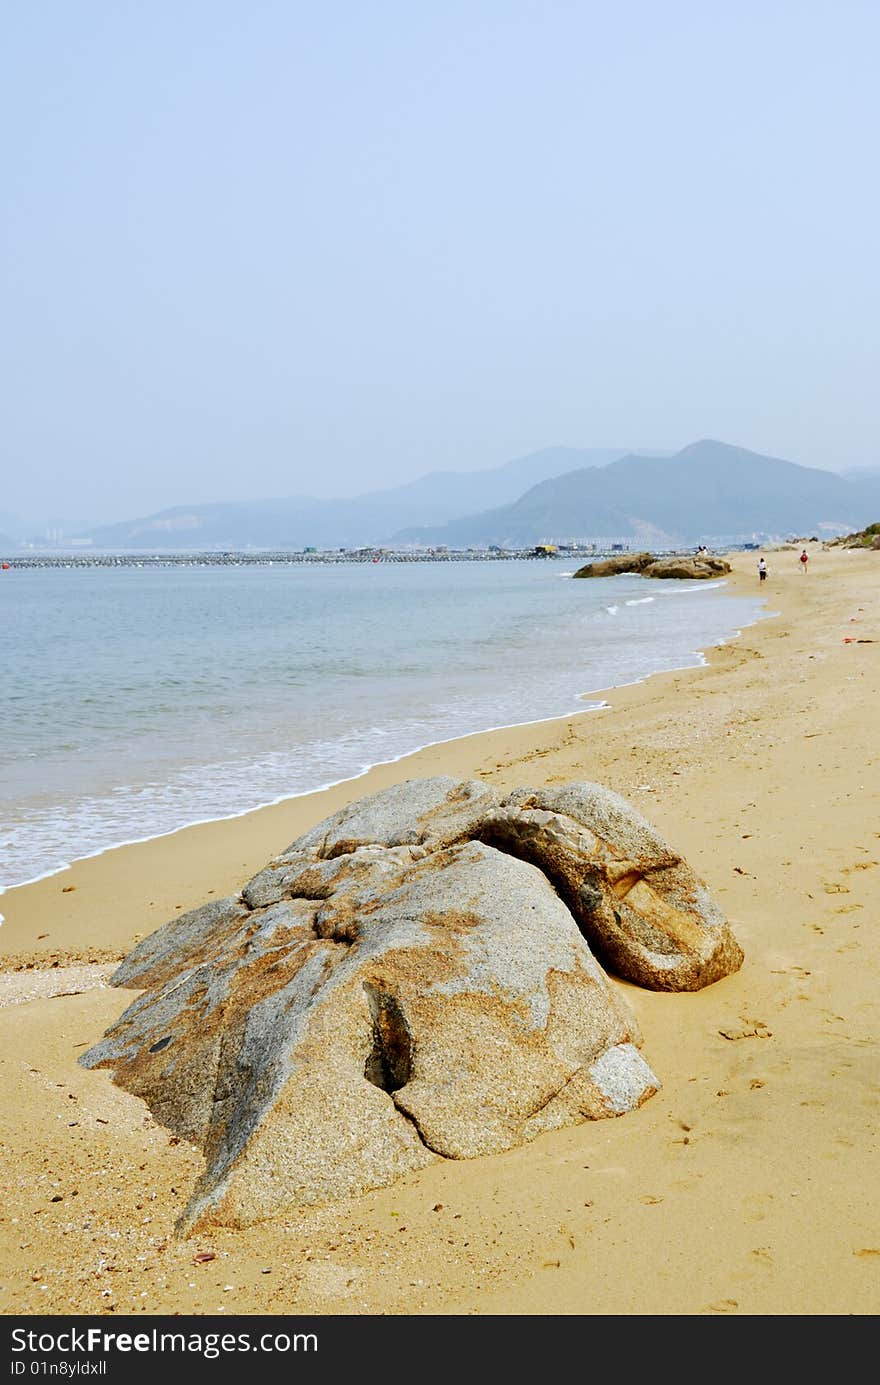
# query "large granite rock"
(697, 566)
(414, 978)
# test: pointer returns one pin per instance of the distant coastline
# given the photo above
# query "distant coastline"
(267, 558)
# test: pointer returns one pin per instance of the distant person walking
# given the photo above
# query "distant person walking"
(762, 570)
(804, 560)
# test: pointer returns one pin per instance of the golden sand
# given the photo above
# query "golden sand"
(750, 1184)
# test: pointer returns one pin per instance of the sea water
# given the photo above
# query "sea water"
(139, 700)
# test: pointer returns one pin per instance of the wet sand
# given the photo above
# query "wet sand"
(748, 1185)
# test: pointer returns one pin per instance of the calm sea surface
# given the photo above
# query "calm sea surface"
(139, 700)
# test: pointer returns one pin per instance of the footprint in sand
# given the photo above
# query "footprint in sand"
(752, 1029)
(722, 1305)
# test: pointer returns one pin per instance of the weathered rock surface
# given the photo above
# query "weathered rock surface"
(612, 567)
(648, 566)
(687, 567)
(646, 915)
(414, 978)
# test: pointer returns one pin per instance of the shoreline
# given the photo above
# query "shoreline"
(286, 798)
(86, 824)
(383, 770)
(596, 700)
(748, 1185)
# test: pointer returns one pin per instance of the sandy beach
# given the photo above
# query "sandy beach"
(747, 1185)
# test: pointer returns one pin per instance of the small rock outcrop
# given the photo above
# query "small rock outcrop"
(613, 567)
(696, 566)
(869, 537)
(705, 566)
(420, 976)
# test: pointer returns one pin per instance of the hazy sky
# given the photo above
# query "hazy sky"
(269, 248)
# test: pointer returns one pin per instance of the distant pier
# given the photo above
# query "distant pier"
(260, 558)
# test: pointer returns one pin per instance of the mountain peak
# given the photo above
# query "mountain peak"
(710, 491)
(711, 447)
(711, 452)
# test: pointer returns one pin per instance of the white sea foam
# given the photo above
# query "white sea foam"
(678, 590)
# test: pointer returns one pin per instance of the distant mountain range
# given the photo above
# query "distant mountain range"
(374, 518)
(708, 490)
